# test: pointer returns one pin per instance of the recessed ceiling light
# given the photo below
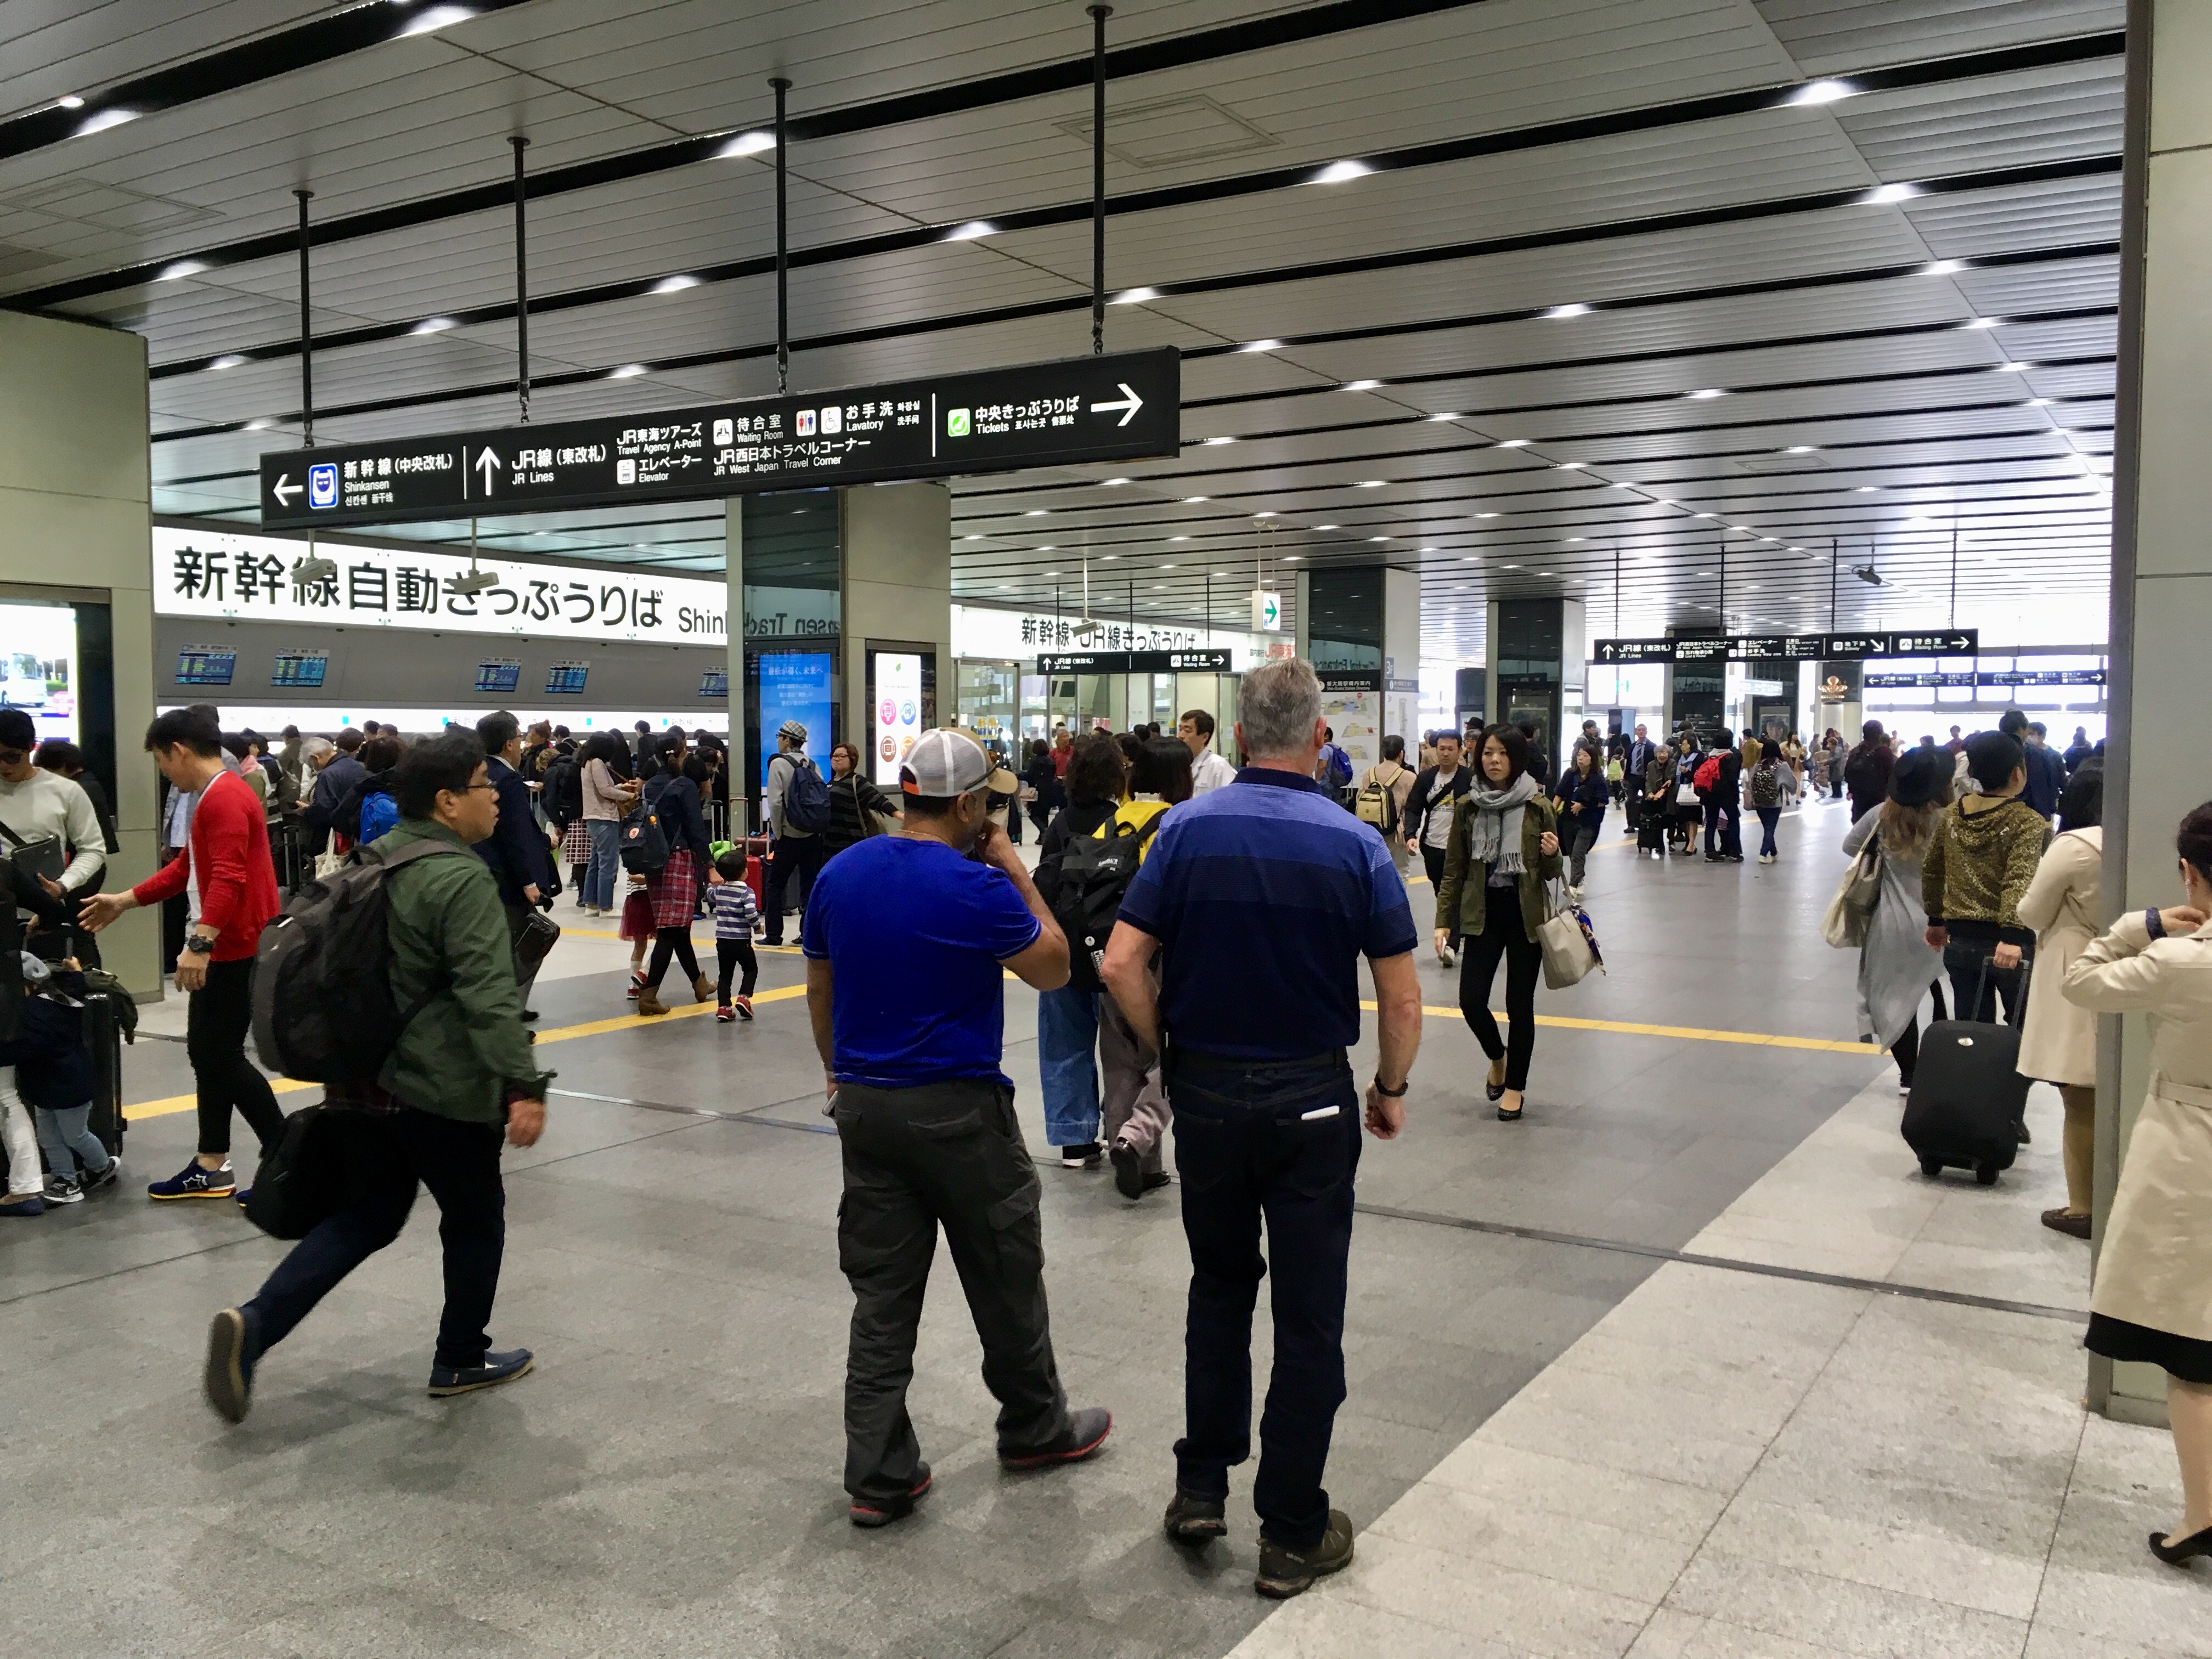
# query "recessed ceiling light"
(1192, 501)
(1359, 386)
(1708, 515)
(1882, 195)
(228, 360)
(437, 17)
(971, 538)
(1512, 566)
(674, 284)
(1337, 173)
(748, 143)
(1156, 586)
(1485, 515)
(1215, 443)
(1135, 296)
(1292, 558)
(1038, 512)
(1799, 449)
(1368, 483)
(1167, 567)
(1270, 514)
(2012, 368)
(1571, 466)
(1577, 538)
(627, 372)
(1378, 538)
(1052, 573)
(1110, 482)
(1178, 539)
(1468, 558)
(1108, 558)
(103, 120)
(1048, 549)
(1324, 526)
(1660, 503)
(1822, 92)
(1866, 490)
(973, 229)
(1261, 345)
(2037, 402)
(1444, 417)
(1574, 308)
(1515, 443)
(1943, 267)
(1979, 322)
(1706, 392)
(170, 273)
(434, 326)
(69, 100)
(260, 426)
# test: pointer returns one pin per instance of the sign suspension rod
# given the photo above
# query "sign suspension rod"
(1098, 16)
(521, 279)
(782, 247)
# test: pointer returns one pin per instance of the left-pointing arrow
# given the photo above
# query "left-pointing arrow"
(1129, 403)
(284, 490)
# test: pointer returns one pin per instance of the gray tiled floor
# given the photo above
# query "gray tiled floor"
(666, 1484)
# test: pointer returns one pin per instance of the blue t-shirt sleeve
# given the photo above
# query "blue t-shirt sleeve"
(814, 923)
(1389, 917)
(1009, 929)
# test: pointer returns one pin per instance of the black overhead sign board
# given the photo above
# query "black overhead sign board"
(1991, 676)
(1699, 648)
(1127, 406)
(1212, 660)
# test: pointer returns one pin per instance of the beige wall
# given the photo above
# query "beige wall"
(895, 542)
(2162, 568)
(75, 513)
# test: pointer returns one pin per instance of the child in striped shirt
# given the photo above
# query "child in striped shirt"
(732, 898)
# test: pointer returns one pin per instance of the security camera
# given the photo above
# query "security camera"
(476, 581)
(1086, 628)
(1867, 573)
(315, 570)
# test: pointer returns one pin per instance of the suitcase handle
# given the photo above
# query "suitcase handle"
(1982, 984)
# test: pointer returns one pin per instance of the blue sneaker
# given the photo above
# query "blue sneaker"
(193, 1182)
(228, 1381)
(497, 1368)
(29, 1204)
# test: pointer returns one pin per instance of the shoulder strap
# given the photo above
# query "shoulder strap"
(1151, 826)
(14, 840)
(407, 854)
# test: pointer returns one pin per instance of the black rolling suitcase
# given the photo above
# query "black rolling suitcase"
(109, 1015)
(1967, 1094)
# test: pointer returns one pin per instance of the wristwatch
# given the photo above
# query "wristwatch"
(1398, 1093)
(199, 944)
(2153, 923)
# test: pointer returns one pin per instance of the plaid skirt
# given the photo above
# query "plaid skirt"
(674, 891)
(576, 845)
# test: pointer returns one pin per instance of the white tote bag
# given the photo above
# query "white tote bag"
(1569, 943)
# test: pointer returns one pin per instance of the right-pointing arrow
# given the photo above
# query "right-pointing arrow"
(284, 490)
(1129, 403)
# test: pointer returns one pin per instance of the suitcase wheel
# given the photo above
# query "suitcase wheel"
(1931, 1167)
(1985, 1175)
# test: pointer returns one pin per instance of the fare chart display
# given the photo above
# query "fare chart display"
(1126, 406)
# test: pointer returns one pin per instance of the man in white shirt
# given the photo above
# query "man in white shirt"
(36, 804)
(1208, 771)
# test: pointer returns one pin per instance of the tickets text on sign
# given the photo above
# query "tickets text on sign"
(255, 578)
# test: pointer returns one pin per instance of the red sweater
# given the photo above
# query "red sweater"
(229, 844)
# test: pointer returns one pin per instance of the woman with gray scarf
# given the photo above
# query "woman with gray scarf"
(1504, 847)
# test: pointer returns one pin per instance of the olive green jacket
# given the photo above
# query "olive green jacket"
(447, 929)
(1466, 894)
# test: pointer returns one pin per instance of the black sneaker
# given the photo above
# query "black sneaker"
(228, 1379)
(107, 1177)
(1196, 1520)
(882, 1511)
(1085, 1157)
(497, 1368)
(1085, 1432)
(1286, 1572)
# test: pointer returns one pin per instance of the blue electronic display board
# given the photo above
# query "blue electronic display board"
(795, 686)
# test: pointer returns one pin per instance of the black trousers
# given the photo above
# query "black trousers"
(733, 953)
(945, 1155)
(676, 941)
(1966, 952)
(1433, 857)
(216, 1025)
(1280, 1143)
(386, 1154)
(800, 854)
(1906, 1051)
(1503, 935)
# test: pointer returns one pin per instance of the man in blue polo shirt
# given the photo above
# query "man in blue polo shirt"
(1265, 895)
(906, 938)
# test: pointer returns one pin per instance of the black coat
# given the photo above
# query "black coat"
(515, 849)
(20, 890)
(1077, 818)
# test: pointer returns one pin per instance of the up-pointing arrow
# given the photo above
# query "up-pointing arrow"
(1129, 402)
(487, 459)
(284, 490)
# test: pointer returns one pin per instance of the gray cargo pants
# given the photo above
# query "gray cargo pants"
(945, 1154)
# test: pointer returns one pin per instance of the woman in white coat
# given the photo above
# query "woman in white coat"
(2153, 1299)
(2059, 1043)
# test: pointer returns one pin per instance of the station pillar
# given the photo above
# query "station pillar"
(2161, 565)
(894, 589)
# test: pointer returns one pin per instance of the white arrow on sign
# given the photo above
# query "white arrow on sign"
(487, 459)
(284, 490)
(1129, 402)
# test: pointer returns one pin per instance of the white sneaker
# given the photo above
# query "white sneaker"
(1575, 894)
(59, 1191)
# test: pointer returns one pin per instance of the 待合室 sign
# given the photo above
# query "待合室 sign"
(1697, 648)
(251, 579)
(1210, 659)
(1127, 406)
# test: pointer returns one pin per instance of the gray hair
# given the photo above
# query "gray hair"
(316, 748)
(1277, 706)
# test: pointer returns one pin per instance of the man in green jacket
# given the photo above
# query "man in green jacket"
(462, 1068)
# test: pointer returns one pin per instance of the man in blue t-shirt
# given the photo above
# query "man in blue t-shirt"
(907, 937)
(1264, 896)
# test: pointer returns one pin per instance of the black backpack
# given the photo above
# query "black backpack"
(1094, 874)
(323, 1007)
(563, 793)
(644, 845)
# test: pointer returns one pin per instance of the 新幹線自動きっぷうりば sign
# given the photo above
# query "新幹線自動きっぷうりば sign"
(244, 578)
(1126, 406)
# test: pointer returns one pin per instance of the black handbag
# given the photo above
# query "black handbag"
(537, 937)
(303, 1182)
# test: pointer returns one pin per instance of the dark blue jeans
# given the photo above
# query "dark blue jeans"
(387, 1155)
(1969, 945)
(1280, 1141)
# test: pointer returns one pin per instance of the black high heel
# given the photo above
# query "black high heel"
(2176, 1555)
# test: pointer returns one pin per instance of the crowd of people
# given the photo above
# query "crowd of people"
(1164, 872)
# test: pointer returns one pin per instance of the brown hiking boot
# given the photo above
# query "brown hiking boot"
(702, 990)
(649, 1003)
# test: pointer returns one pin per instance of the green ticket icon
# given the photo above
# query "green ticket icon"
(956, 422)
